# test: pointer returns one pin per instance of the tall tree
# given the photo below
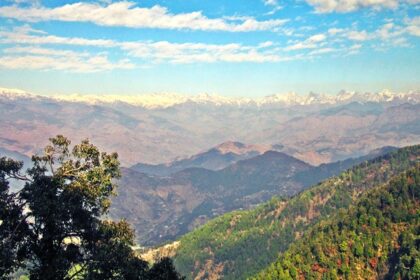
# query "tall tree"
(54, 222)
(66, 197)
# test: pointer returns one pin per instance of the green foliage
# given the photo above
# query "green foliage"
(13, 227)
(163, 270)
(53, 228)
(244, 242)
(66, 196)
(352, 245)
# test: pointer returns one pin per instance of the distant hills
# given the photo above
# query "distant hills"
(163, 206)
(216, 158)
(363, 222)
(159, 128)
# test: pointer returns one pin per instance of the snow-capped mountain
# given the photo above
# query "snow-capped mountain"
(165, 100)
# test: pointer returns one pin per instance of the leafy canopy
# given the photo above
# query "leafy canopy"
(52, 227)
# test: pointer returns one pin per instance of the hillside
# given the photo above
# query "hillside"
(163, 208)
(376, 239)
(241, 243)
(326, 170)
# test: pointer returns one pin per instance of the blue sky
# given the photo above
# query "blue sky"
(233, 48)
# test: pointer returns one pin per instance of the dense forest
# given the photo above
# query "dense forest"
(377, 238)
(239, 244)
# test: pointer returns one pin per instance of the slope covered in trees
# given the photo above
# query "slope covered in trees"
(378, 238)
(241, 243)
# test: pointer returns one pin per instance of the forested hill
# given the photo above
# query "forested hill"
(240, 244)
(377, 239)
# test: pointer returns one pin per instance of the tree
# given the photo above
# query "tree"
(68, 193)
(55, 219)
(13, 226)
(112, 256)
(164, 270)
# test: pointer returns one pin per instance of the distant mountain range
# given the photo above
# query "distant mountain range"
(163, 205)
(164, 100)
(216, 158)
(154, 129)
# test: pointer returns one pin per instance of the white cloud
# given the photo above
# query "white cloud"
(26, 45)
(270, 2)
(334, 31)
(150, 51)
(413, 26)
(343, 6)
(125, 13)
(274, 4)
(356, 47)
(355, 35)
(163, 51)
(389, 31)
(27, 35)
(44, 51)
(317, 38)
(310, 43)
(68, 63)
(385, 36)
(39, 58)
(266, 44)
(322, 51)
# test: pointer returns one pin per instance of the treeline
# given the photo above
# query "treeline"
(52, 228)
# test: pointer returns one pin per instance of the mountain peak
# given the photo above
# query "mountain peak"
(231, 147)
(239, 148)
(13, 93)
(165, 100)
(278, 156)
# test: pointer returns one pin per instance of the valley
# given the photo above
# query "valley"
(164, 207)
